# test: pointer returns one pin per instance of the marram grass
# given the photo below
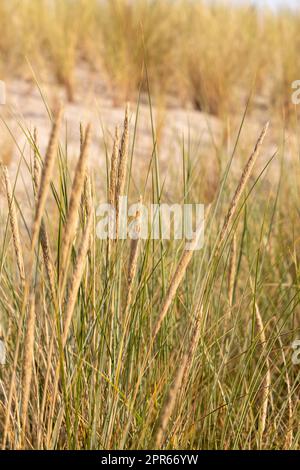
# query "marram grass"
(101, 356)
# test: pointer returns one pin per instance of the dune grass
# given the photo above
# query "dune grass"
(143, 344)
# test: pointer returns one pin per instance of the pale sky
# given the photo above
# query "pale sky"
(273, 3)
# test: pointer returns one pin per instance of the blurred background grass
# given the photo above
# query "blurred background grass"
(241, 390)
(203, 54)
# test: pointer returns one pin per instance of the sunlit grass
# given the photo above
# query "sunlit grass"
(123, 345)
(103, 380)
(204, 55)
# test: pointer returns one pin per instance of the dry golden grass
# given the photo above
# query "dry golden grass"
(205, 55)
(141, 343)
(110, 359)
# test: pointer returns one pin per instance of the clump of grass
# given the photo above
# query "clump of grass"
(44, 238)
(202, 54)
(91, 359)
(241, 186)
(75, 198)
(13, 220)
